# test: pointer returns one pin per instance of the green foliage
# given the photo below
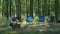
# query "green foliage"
(45, 7)
(40, 7)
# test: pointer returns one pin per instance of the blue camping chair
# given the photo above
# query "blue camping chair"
(41, 19)
(29, 19)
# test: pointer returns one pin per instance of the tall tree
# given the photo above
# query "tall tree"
(18, 9)
(7, 15)
(56, 10)
(31, 8)
(27, 7)
(44, 7)
(0, 2)
(5, 8)
(39, 6)
(10, 8)
(2, 8)
(48, 7)
(0, 5)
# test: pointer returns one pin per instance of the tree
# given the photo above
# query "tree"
(31, 8)
(0, 6)
(48, 7)
(56, 10)
(5, 8)
(39, 8)
(44, 10)
(7, 15)
(18, 9)
(10, 8)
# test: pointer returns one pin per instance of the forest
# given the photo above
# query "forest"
(34, 8)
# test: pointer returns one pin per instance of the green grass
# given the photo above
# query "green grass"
(5, 25)
(29, 32)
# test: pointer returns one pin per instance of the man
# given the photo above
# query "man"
(14, 22)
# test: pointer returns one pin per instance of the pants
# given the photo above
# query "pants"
(14, 26)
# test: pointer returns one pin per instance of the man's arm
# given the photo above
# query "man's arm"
(11, 20)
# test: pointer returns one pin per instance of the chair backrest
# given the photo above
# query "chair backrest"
(29, 19)
(41, 18)
(52, 19)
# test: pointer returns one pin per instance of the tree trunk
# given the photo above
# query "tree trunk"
(10, 8)
(18, 9)
(31, 8)
(2, 8)
(7, 15)
(56, 10)
(39, 6)
(48, 8)
(44, 8)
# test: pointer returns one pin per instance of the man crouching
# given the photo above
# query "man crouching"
(14, 23)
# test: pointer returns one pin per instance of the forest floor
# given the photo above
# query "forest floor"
(5, 29)
(37, 30)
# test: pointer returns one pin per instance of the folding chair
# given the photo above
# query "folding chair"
(29, 20)
(51, 23)
(41, 20)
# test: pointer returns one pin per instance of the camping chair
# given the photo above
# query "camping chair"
(29, 20)
(51, 23)
(41, 19)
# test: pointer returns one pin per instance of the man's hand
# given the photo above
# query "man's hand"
(14, 23)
